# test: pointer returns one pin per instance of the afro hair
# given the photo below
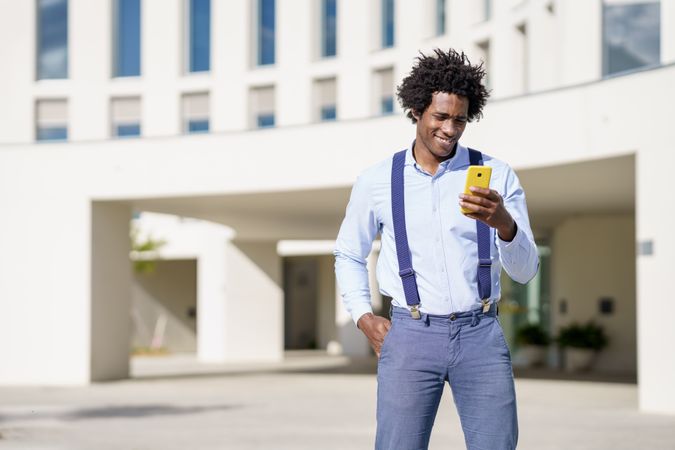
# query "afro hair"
(449, 72)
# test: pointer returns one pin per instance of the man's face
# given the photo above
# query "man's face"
(442, 123)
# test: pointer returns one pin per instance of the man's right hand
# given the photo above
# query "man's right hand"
(375, 328)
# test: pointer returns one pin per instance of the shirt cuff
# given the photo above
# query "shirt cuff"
(506, 245)
(359, 310)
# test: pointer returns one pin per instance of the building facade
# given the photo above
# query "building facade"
(246, 114)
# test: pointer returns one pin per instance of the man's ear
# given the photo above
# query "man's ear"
(415, 114)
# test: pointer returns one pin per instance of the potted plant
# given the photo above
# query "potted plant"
(533, 342)
(581, 343)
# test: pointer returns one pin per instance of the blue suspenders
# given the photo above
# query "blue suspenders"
(406, 271)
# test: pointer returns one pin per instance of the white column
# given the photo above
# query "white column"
(240, 303)
(64, 287)
(655, 269)
(211, 299)
(111, 275)
(255, 314)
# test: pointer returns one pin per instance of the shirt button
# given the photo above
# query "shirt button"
(442, 269)
(434, 209)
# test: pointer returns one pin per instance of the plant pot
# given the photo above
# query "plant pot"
(578, 359)
(532, 355)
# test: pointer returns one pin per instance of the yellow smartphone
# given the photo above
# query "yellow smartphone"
(476, 176)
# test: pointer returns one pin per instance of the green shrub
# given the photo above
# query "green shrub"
(589, 335)
(532, 334)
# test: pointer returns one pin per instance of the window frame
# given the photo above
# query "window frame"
(115, 124)
(38, 43)
(59, 125)
(188, 38)
(116, 48)
(323, 53)
(384, 16)
(187, 122)
(258, 41)
(604, 63)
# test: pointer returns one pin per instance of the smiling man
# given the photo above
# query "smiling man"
(440, 267)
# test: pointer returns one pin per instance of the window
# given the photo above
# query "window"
(126, 117)
(52, 39)
(196, 113)
(387, 23)
(487, 10)
(262, 107)
(325, 100)
(328, 28)
(127, 51)
(631, 35)
(51, 120)
(200, 35)
(440, 17)
(384, 88)
(484, 54)
(265, 32)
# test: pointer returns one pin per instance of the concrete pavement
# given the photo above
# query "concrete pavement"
(302, 408)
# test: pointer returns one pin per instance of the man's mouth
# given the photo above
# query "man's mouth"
(444, 141)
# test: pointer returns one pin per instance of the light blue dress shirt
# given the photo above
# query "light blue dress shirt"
(442, 240)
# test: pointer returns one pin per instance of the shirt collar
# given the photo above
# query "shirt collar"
(459, 160)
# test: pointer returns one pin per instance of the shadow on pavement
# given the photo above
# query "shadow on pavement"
(117, 411)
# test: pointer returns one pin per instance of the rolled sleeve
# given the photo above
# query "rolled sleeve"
(518, 257)
(353, 244)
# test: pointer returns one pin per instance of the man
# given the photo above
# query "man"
(440, 267)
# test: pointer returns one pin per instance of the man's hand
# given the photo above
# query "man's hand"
(488, 207)
(375, 328)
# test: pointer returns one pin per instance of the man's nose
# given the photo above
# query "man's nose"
(448, 128)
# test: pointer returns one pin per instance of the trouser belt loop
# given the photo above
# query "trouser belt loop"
(475, 318)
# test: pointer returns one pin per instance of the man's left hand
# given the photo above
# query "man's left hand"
(488, 207)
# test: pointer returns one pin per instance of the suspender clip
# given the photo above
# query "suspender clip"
(486, 305)
(414, 312)
(485, 262)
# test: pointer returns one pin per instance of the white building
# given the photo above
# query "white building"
(582, 107)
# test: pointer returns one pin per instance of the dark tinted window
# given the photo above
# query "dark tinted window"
(387, 23)
(128, 130)
(52, 39)
(200, 35)
(329, 28)
(128, 38)
(631, 36)
(198, 126)
(52, 133)
(440, 17)
(265, 120)
(266, 30)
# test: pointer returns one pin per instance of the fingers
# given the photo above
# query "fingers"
(387, 326)
(477, 209)
(477, 200)
(483, 205)
(490, 194)
(377, 346)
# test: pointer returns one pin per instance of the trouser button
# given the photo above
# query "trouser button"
(453, 316)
